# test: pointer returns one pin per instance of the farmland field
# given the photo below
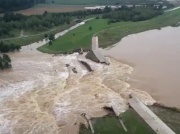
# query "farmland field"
(40, 9)
(94, 2)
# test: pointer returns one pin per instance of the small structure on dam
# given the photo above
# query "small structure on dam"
(95, 53)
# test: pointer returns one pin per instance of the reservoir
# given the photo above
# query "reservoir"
(155, 57)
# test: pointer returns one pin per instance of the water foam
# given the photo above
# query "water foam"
(54, 98)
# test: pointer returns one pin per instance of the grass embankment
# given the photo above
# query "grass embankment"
(171, 116)
(77, 38)
(111, 125)
(113, 35)
(108, 34)
(134, 123)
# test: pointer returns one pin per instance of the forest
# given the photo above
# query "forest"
(11, 22)
(14, 5)
(132, 14)
(4, 48)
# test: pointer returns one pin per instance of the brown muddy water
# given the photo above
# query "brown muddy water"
(41, 95)
(155, 57)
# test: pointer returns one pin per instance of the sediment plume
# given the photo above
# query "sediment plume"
(40, 95)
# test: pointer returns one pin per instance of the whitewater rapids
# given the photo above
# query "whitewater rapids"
(39, 95)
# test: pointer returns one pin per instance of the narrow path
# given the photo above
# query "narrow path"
(172, 9)
(149, 117)
(33, 46)
(25, 36)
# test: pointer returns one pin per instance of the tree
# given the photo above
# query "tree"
(11, 5)
(97, 17)
(50, 42)
(5, 48)
(6, 57)
(46, 36)
(45, 13)
(18, 47)
(51, 37)
(5, 61)
(90, 28)
(1, 45)
(107, 9)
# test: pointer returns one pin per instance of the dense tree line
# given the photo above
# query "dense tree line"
(132, 14)
(11, 22)
(5, 61)
(38, 23)
(12, 5)
(4, 47)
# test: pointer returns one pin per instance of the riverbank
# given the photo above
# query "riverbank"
(108, 34)
(133, 122)
(154, 55)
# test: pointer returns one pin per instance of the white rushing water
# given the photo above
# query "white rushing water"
(40, 95)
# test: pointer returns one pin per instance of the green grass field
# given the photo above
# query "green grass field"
(170, 116)
(133, 122)
(79, 37)
(108, 34)
(111, 125)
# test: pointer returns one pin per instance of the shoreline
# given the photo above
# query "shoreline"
(109, 34)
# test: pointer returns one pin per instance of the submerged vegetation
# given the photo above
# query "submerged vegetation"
(5, 62)
(4, 48)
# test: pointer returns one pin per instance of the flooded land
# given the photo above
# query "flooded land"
(155, 57)
(41, 95)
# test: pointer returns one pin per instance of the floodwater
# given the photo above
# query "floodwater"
(41, 95)
(155, 57)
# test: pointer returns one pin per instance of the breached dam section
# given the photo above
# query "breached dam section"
(39, 94)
